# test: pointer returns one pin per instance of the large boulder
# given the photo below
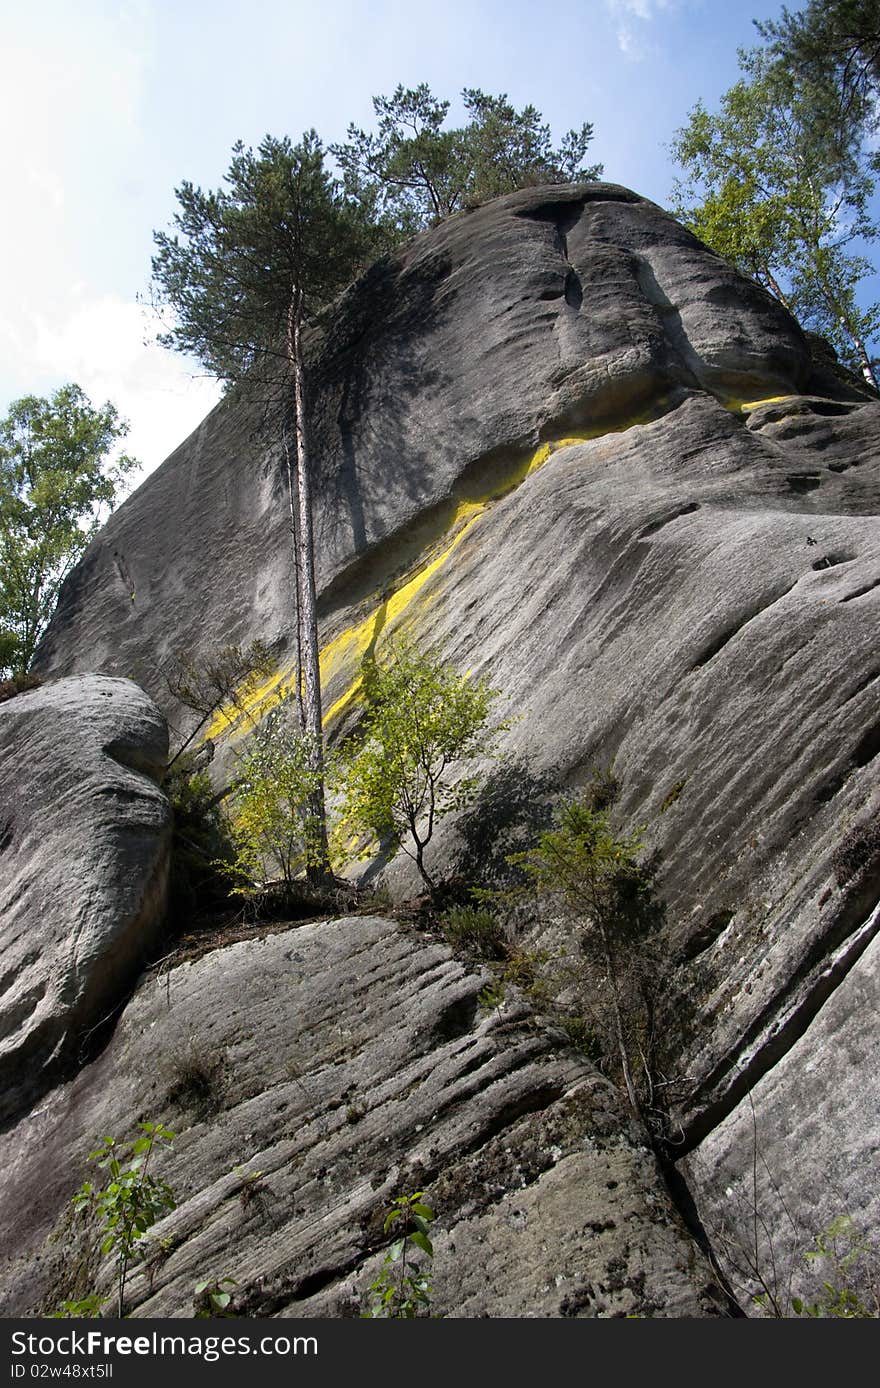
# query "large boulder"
(84, 844)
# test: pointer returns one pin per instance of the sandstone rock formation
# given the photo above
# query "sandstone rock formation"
(348, 1060)
(84, 838)
(566, 445)
(437, 376)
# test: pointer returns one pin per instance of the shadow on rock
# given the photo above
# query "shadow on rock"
(514, 806)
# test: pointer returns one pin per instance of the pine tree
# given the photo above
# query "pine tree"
(410, 172)
(248, 266)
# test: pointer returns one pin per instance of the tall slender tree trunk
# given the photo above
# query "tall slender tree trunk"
(774, 286)
(618, 1022)
(294, 545)
(865, 361)
(318, 867)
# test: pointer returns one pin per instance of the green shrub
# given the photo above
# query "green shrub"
(840, 1250)
(474, 932)
(123, 1209)
(402, 1287)
(522, 968)
(604, 880)
(196, 1082)
(274, 828)
(491, 997)
(422, 720)
(583, 1037)
(211, 1300)
(201, 849)
(603, 789)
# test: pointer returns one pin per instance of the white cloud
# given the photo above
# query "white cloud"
(72, 83)
(104, 345)
(629, 17)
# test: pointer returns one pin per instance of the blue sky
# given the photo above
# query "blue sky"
(106, 107)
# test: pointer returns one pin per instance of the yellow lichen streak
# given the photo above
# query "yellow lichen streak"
(746, 406)
(341, 657)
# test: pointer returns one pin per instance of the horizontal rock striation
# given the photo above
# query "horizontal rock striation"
(564, 444)
(544, 313)
(311, 1076)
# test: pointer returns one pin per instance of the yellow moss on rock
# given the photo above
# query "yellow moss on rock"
(343, 654)
(746, 406)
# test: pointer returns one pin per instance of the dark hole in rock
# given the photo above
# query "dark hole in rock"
(831, 407)
(456, 1019)
(828, 561)
(868, 747)
(827, 789)
(803, 481)
(574, 294)
(705, 935)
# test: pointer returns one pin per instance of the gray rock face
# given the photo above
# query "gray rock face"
(350, 1061)
(780, 1151)
(713, 631)
(565, 445)
(553, 310)
(84, 833)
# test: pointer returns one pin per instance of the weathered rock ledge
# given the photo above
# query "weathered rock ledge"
(350, 1061)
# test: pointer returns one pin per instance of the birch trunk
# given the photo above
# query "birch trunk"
(865, 361)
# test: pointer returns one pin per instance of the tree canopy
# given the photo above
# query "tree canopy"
(422, 720)
(833, 49)
(58, 482)
(411, 172)
(280, 238)
(764, 189)
(257, 259)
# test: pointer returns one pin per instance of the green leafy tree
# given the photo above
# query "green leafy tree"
(422, 720)
(605, 881)
(273, 821)
(58, 482)
(247, 267)
(411, 172)
(762, 188)
(125, 1207)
